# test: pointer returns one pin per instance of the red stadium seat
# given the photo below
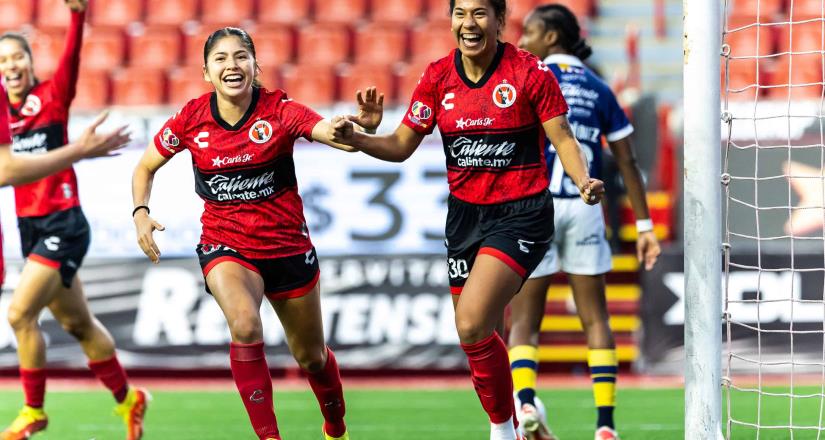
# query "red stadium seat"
(273, 45)
(269, 77)
(193, 42)
(138, 86)
(344, 12)
(395, 11)
(743, 42)
(407, 76)
(431, 41)
(766, 9)
(103, 48)
(580, 8)
(309, 84)
(287, 12)
(116, 12)
(327, 44)
(437, 10)
(360, 76)
(92, 90)
(15, 13)
(804, 36)
(223, 11)
(186, 83)
(47, 46)
(379, 43)
(802, 69)
(809, 8)
(155, 46)
(170, 12)
(519, 9)
(52, 13)
(742, 75)
(513, 31)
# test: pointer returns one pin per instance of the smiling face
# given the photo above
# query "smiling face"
(476, 27)
(16, 68)
(230, 67)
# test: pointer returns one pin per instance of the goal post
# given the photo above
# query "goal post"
(702, 218)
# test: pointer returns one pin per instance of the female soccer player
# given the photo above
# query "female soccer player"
(55, 236)
(579, 246)
(493, 104)
(255, 242)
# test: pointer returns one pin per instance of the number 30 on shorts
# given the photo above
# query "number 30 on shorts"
(458, 268)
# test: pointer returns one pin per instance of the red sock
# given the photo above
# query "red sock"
(251, 374)
(490, 369)
(111, 373)
(326, 384)
(34, 386)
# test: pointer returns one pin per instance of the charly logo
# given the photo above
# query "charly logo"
(260, 132)
(477, 153)
(240, 187)
(227, 160)
(32, 106)
(257, 396)
(469, 123)
(504, 95)
(419, 113)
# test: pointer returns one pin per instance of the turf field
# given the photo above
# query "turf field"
(383, 414)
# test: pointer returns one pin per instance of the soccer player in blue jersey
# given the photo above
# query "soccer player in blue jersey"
(579, 247)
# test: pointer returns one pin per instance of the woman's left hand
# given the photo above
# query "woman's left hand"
(77, 5)
(370, 109)
(592, 191)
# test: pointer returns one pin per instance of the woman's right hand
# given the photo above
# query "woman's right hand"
(94, 145)
(145, 226)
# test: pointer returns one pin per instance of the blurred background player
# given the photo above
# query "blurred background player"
(493, 104)
(255, 242)
(54, 235)
(579, 246)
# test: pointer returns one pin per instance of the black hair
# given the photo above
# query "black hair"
(229, 31)
(558, 18)
(499, 7)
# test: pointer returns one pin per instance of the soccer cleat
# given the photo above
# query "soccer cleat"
(345, 436)
(532, 424)
(28, 421)
(132, 410)
(605, 433)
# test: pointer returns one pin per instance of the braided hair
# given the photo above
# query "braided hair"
(558, 18)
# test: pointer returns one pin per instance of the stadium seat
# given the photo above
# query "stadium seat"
(438, 10)
(512, 31)
(743, 42)
(581, 8)
(407, 76)
(809, 8)
(155, 46)
(47, 46)
(345, 12)
(742, 75)
(327, 44)
(103, 48)
(170, 12)
(804, 36)
(767, 9)
(52, 13)
(800, 69)
(286, 12)
(193, 41)
(15, 13)
(273, 45)
(380, 43)
(186, 83)
(92, 90)
(518, 9)
(138, 86)
(115, 12)
(309, 84)
(356, 77)
(431, 41)
(223, 11)
(395, 11)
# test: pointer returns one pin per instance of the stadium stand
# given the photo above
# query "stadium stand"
(14, 13)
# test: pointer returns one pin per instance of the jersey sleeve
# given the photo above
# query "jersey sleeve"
(167, 140)
(297, 119)
(616, 126)
(5, 119)
(544, 92)
(420, 115)
(64, 82)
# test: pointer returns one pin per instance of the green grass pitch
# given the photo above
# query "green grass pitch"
(382, 414)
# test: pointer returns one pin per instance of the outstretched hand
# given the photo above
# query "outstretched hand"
(370, 109)
(92, 144)
(592, 191)
(342, 130)
(77, 5)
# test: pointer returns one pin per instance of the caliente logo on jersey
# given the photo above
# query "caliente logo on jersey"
(260, 132)
(504, 95)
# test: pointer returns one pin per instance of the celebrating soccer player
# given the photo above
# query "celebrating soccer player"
(494, 104)
(53, 230)
(579, 246)
(255, 242)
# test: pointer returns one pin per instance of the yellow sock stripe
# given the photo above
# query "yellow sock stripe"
(602, 357)
(528, 352)
(604, 393)
(524, 365)
(603, 366)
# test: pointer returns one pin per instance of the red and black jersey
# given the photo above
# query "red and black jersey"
(5, 141)
(491, 130)
(244, 172)
(39, 124)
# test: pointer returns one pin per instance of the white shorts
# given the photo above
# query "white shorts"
(579, 245)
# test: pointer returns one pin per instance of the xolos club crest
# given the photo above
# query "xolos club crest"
(504, 95)
(260, 132)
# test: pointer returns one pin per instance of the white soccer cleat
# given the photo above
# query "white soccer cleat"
(532, 424)
(605, 433)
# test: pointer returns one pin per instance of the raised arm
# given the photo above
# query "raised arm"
(142, 179)
(572, 159)
(65, 77)
(395, 147)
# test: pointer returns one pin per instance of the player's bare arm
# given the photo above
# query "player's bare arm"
(395, 147)
(369, 116)
(21, 169)
(647, 246)
(572, 159)
(142, 179)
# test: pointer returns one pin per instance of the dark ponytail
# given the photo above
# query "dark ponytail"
(558, 18)
(242, 35)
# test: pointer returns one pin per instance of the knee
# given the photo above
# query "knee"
(471, 330)
(246, 329)
(311, 360)
(78, 327)
(20, 319)
(597, 324)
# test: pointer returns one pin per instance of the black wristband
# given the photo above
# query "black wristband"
(134, 211)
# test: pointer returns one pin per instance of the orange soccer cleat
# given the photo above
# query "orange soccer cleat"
(132, 410)
(29, 421)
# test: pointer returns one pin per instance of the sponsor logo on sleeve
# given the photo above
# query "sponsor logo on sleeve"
(168, 140)
(260, 132)
(419, 113)
(504, 95)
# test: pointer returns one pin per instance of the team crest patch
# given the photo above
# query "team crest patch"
(504, 95)
(168, 139)
(32, 106)
(421, 111)
(260, 132)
